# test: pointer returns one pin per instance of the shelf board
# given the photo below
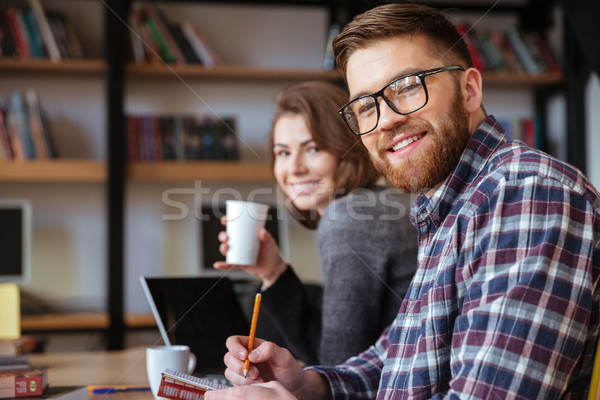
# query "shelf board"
(230, 171)
(72, 321)
(228, 72)
(26, 65)
(65, 321)
(59, 170)
(522, 79)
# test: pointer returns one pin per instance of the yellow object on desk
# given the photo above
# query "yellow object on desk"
(10, 311)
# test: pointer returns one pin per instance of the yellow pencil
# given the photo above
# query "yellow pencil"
(252, 331)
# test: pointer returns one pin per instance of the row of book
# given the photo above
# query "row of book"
(526, 130)
(29, 31)
(508, 50)
(155, 39)
(23, 129)
(180, 137)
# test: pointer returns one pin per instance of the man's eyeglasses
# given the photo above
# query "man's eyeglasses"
(403, 95)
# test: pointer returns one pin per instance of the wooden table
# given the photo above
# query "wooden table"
(97, 368)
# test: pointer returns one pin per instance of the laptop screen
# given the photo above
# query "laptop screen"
(200, 312)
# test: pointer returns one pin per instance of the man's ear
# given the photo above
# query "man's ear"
(472, 90)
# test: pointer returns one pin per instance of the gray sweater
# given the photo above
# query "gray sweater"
(368, 252)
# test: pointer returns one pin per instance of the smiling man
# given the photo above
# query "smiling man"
(505, 301)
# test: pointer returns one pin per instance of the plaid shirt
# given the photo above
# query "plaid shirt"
(505, 301)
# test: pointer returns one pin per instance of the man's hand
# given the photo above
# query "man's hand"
(268, 362)
(259, 391)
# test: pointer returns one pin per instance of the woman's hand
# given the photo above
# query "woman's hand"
(269, 264)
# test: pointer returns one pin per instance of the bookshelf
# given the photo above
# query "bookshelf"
(220, 171)
(116, 179)
(43, 66)
(57, 170)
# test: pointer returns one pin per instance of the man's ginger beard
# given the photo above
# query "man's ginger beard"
(425, 170)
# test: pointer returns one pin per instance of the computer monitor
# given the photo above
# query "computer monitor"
(15, 240)
(211, 226)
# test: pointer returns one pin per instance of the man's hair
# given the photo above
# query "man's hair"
(391, 20)
(317, 102)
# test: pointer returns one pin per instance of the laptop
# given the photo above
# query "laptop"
(200, 312)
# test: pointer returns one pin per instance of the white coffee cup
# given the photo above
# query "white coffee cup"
(160, 358)
(244, 220)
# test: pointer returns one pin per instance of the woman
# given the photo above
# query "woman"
(367, 246)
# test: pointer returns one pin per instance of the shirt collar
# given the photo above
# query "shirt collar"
(482, 144)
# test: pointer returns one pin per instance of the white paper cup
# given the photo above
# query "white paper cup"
(160, 358)
(244, 220)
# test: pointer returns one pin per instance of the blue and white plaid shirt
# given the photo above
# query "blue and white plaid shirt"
(505, 301)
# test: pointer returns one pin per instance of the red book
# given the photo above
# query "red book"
(23, 382)
(179, 386)
(13, 22)
(464, 30)
(175, 390)
(529, 132)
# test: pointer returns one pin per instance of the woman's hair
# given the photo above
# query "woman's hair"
(317, 102)
(391, 20)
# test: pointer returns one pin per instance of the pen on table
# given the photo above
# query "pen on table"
(252, 331)
(116, 388)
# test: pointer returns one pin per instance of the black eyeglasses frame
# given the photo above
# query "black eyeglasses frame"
(379, 93)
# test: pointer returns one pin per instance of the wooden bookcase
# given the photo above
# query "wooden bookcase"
(114, 173)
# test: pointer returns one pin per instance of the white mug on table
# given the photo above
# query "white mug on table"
(160, 358)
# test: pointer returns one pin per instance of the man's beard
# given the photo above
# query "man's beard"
(421, 172)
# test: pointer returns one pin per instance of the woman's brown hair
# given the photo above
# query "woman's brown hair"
(317, 102)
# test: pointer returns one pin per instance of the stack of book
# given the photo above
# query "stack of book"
(509, 50)
(155, 39)
(21, 380)
(23, 130)
(14, 353)
(28, 31)
(181, 137)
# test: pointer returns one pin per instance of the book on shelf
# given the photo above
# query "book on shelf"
(12, 19)
(18, 127)
(5, 146)
(181, 137)
(44, 30)
(30, 31)
(156, 39)
(165, 28)
(179, 386)
(18, 383)
(204, 51)
(508, 50)
(67, 41)
(523, 129)
(329, 57)
(35, 37)
(24, 133)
